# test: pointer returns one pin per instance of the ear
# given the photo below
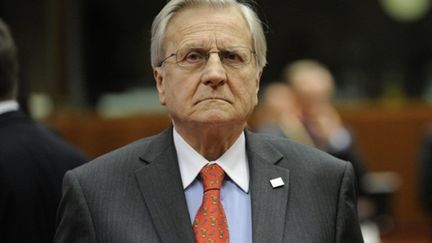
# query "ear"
(258, 80)
(160, 83)
(257, 86)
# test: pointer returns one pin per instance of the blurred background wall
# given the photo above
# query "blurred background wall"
(77, 50)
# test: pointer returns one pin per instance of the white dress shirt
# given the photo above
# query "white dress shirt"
(235, 194)
(8, 105)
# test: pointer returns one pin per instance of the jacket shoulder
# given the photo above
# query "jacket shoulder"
(124, 159)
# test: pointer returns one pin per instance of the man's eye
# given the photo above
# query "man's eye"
(232, 57)
(194, 56)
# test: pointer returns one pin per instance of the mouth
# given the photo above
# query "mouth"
(213, 99)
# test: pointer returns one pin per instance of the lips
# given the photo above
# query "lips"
(213, 99)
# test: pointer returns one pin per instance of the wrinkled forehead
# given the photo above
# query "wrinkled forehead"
(207, 26)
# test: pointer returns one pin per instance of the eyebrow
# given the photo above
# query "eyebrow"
(225, 48)
(208, 44)
(196, 43)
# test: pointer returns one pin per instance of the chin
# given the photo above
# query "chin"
(214, 117)
(220, 115)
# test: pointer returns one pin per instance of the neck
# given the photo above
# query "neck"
(211, 141)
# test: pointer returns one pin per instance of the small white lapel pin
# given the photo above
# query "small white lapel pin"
(277, 182)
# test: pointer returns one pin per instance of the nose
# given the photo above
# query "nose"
(214, 73)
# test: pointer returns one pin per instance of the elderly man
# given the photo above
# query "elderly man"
(207, 179)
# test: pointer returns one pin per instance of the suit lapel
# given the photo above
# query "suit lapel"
(160, 183)
(161, 187)
(269, 204)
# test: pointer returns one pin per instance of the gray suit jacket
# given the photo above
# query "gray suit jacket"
(135, 194)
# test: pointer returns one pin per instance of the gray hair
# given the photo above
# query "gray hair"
(161, 21)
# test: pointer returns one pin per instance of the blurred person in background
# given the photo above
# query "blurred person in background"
(33, 161)
(313, 85)
(207, 178)
(279, 114)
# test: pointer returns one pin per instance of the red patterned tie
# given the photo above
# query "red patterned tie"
(210, 224)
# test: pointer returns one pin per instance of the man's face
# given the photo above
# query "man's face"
(214, 93)
(314, 89)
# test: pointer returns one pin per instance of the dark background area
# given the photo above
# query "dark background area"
(80, 50)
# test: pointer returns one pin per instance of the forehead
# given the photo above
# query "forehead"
(208, 26)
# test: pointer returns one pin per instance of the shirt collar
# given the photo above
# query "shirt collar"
(8, 105)
(233, 162)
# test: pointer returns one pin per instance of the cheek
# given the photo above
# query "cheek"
(250, 88)
(247, 94)
(178, 89)
(170, 94)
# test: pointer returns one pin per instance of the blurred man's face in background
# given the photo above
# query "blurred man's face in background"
(314, 90)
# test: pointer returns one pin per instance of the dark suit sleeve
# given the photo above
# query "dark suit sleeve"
(348, 226)
(74, 221)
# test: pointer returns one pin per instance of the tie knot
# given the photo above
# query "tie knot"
(212, 176)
